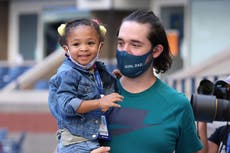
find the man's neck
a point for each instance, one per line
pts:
(138, 84)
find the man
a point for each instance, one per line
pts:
(153, 118)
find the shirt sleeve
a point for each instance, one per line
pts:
(188, 140)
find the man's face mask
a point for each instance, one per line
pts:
(132, 66)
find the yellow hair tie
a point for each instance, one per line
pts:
(61, 29)
(103, 30)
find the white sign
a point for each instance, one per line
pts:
(94, 4)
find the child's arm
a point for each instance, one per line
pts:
(103, 103)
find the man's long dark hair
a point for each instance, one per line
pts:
(156, 36)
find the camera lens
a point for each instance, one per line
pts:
(208, 108)
(223, 110)
(204, 107)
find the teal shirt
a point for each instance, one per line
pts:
(157, 120)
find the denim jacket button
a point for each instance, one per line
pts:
(94, 136)
(96, 121)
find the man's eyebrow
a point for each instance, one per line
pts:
(131, 41)
(135, 41)
(119, 39)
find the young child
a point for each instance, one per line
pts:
(82, 89)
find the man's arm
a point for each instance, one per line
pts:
(101, 150)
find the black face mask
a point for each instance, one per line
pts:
(132, 66)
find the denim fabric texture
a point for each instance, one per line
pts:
(68, 88)
(83, 147)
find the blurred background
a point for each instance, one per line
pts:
(198, 32)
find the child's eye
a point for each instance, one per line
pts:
(75, 44)
(91, 43)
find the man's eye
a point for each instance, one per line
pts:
(119, 44)
(136, 45)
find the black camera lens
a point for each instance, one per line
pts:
(208, 108)
(223, 110)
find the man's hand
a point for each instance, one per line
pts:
(101, 150)
(117, 73)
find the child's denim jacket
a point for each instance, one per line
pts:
(68, 88)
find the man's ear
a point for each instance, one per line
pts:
(157, 50)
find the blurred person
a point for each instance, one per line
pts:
(153, 117)
(217, 141)
(82, 89)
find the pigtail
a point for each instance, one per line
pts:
(102, 28)
(61, 30)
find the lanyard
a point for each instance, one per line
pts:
(103, 129)
(98, 80)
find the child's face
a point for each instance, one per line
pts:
(83, 44)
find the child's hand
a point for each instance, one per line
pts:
(110, 100)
